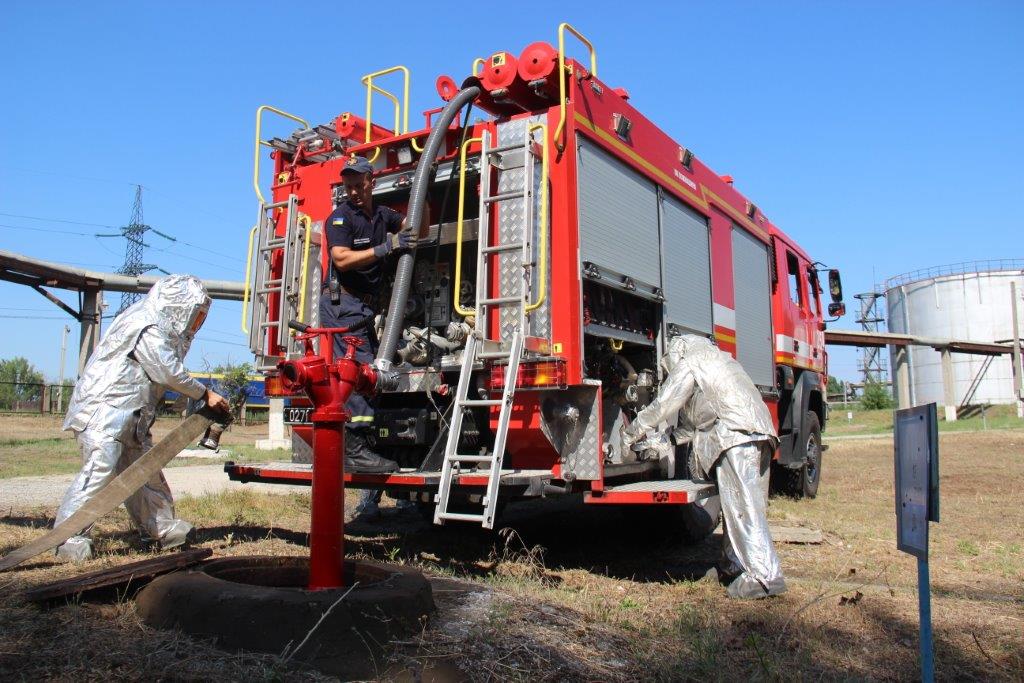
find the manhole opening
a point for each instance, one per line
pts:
(286, 572)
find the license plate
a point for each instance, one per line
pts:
(297, 416)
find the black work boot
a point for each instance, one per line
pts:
(361, 459)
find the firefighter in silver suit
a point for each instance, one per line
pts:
(115, 401)
(708, 400)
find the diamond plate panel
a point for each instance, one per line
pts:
(570, 419)
(512, 218)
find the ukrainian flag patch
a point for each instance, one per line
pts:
(338, 221)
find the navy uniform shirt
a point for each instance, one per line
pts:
(350, 226)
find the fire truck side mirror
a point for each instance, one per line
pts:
(835, 286)
(837, 309)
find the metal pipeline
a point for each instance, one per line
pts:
(417, 200)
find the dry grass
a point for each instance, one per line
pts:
(83, 641)
(604, 602)
(576, 593)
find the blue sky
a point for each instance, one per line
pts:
(883, 136)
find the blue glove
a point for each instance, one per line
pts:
(395, 241)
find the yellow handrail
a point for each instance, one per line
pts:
(375, 88)
(394, 100)
(561, 75)
(543, 216)
(248, 273)
(458, 228)
(401, 111)
(368, 82)
(305, 267)
(479, 61)
(260, 141)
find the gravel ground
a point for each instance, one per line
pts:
(26, 492)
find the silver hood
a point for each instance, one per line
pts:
(126, 374)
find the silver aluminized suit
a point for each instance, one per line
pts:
(114, 404)
(710, 401)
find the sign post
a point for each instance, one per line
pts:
(917, 503)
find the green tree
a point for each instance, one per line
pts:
(234, 384)
(20, 383)
(876, 396)
(835, 386)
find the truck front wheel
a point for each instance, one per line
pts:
(802, 482)
(810, 473)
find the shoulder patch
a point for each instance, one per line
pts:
(338, 221)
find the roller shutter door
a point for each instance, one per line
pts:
(687, 276)
(618, 214)
(752, 290)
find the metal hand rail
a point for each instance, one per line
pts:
(398, 107)
(260, 141)
(964, 268)
(303, 218)
(479, 61)
(458, 229)
(401, 111)
(248, 273)
(561, 75)
(543, 216)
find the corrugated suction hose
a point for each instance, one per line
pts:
(417, 198)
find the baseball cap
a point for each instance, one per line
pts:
(356, 165)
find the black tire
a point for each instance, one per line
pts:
(802, 482)
(690, 524)
(426, 511)
(699, 520)
(810, 473)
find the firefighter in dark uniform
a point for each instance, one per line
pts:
(361, 237)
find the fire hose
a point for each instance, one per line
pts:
(417, 201)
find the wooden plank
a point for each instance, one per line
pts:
(110, 580)
(118, 489)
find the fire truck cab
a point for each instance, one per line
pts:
(570, 238)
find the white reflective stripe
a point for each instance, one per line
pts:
(724, 316)
(361, 418)
(797, 347)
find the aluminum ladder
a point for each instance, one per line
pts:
(290, 288)
(478, 345)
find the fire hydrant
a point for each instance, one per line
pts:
(328, 384)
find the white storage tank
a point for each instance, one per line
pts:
(968, 301)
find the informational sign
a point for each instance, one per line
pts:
(917, 502)
(917, 477)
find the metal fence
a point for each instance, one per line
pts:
(965, 268)
(41, 399)
(30, 397)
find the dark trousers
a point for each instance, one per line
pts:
(349, 311)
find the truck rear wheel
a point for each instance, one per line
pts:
(802, 482)
(691, 523)
(699, 520)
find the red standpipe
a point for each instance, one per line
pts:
(328, 385)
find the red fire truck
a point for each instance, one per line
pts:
(570, 238)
